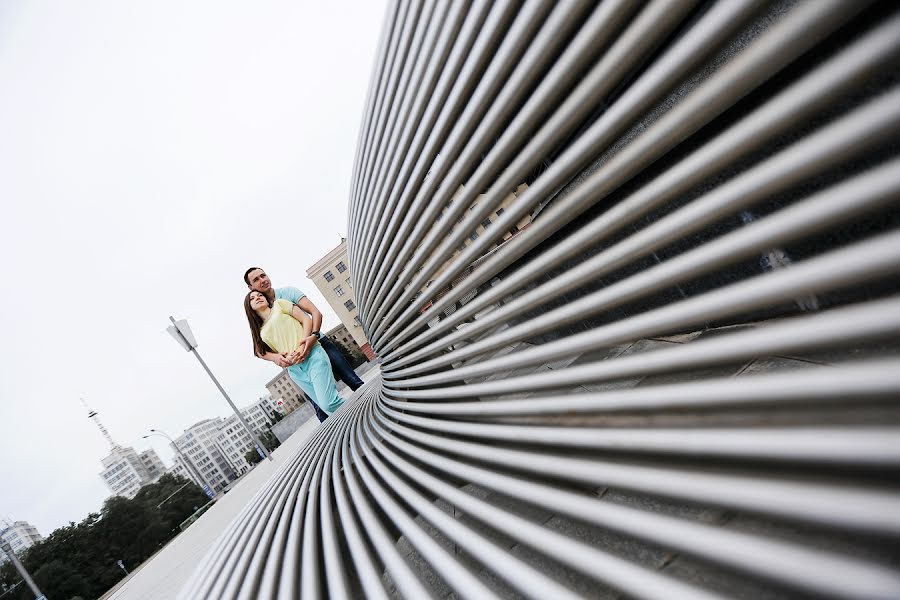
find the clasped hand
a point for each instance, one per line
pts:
(302, 351)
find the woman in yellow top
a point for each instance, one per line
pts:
(282, 327)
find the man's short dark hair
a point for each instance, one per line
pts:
(247, 274)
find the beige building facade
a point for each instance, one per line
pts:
(342, 337)
(331, 275)
(286, 396)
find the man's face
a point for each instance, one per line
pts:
(259, 281)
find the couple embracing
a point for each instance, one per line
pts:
(284, 325)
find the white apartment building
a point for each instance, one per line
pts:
(153, 463)
(285, 394)
(198, 444)
(125, 471)
(20, 535)
(180, 470)
(260, 413)
(233, 438)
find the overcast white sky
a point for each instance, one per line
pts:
(149, 153)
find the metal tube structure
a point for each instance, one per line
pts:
(632, 270)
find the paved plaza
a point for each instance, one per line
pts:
(163, 575)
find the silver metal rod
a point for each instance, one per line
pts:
(866, 261)
(464, 85)
(424, 79)
(871, 381)
(435, 122)
(767, 559)
(655, 21)
(789, 39)
(860, 508)
(629, 578)
(871, 191)
(839, 75)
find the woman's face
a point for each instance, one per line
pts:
(258, 302)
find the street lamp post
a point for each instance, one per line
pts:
(188, 464)
(7, 548)
(181, 331)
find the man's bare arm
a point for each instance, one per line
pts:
(306, 304)
(300, 354)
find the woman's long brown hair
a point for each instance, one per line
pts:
(260, 348)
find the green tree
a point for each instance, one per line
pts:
(10, 582)
(174, 497)
(80, 559)
(77, 547)
(60, 580)
(131, 530)
(270, 441)
(252, 456)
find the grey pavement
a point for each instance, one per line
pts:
(162, 575)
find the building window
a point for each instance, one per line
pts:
(486, 223)
(356, 318)
(329, 276)
(474, 236)
(349, 285)
(349, 304)
(341, 267)
(338, 290)
(499, 211)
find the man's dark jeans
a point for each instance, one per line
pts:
(321, 415)
(339, 365)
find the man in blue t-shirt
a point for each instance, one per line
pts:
(256, 279)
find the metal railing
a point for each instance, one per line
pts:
(632, 271)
